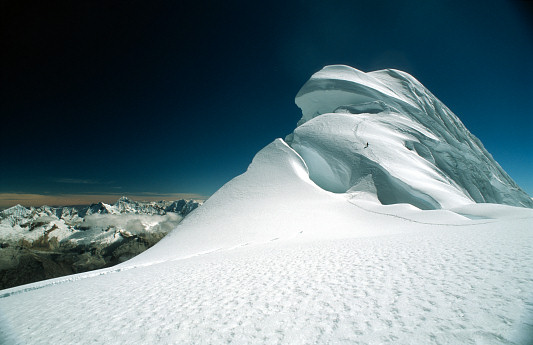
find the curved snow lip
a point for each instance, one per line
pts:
(334, 76)
(340, 85)
(333, 147)
(335, 176)
(373, 107)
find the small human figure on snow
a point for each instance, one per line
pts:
(366, 145)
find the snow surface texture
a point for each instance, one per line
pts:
(309, 246)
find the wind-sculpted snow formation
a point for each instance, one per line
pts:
(418, 151)
(323, 240)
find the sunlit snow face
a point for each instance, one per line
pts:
(363, 153)
(404, 140)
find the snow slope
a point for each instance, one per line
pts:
(320, 241)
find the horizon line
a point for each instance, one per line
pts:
(8, 200)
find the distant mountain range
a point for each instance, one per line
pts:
(45, 242)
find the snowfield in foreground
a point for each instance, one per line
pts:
(438, 284)
(324, 240)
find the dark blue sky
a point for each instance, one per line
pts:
(133, 97)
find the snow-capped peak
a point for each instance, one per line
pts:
(388, 126)
(322, 241)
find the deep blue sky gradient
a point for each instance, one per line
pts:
(166, 97)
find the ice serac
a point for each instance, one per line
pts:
(385, 129)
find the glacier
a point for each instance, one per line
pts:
(380, 219)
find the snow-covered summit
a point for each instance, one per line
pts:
(418, 151)
(419, 157)
(323, 240)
